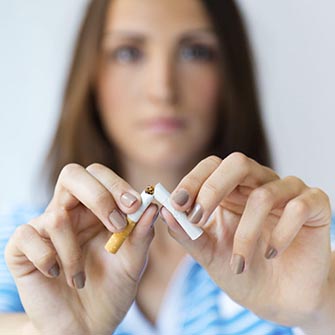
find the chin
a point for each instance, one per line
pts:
(169, 159)
(170, 153)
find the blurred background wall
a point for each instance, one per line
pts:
(294, 49)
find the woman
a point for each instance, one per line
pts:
(158, 89)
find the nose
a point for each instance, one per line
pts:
(161, 79)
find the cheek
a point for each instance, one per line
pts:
(202, 94)
(114, 90)
(202, 90)
(117, 95)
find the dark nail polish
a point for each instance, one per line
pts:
(155, 218)
(161, 216)
(237, 264)
(117, 219)
(196, 214)
(128, 199)
(181, 197)
(79, 280)
(271, 253)
(54, 271)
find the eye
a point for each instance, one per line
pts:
(198, 52)
(126, 54)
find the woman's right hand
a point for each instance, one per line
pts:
(67, 282)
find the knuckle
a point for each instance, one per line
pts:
(57, 219)
(318, 193)
(273, 174)
(213, 160)
(241, 161)
(35, 221)
(18, 235)
(45, 259)
(106, 176)
(262, 195)
(238, 157)
(292, 179)
(299, 207)
(69, 170)
(295, 181)
(22, 232)
(94, 167)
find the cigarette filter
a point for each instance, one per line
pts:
(116, 240)
(163, 196)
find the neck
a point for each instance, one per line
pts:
(139, 175)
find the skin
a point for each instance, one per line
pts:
(158, 82)
(254, 208)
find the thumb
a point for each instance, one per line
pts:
(143, 233)
(193, 247)
(135, 248)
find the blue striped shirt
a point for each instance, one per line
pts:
(193, 304)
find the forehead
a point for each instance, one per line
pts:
(160, 15)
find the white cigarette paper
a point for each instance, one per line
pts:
(116, 240)
(146, 201)
(163, 196)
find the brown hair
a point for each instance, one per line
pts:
(80, 138)
(240, 127)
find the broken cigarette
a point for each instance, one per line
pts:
(116, 240)
(163, 196)
(159, 193)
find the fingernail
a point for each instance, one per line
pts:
(271, 253)
(128, 199)
(117, 220)
(237, 264)
(161, 216)
(79, 280)
(196, 214)
(155, 218)
(181, 197)
(54, 271)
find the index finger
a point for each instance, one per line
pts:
(214, 184)
(77, 185)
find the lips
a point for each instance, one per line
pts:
(163, 125)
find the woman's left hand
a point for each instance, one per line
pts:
(266, 239)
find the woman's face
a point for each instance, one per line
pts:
(158, 79)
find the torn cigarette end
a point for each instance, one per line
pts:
(150, 189)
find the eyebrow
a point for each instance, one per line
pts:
(140, 37)
(208, 32)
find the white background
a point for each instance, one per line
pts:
(295, 54)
